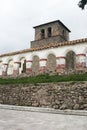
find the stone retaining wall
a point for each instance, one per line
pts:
(69, 95)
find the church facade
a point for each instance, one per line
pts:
(51, 52)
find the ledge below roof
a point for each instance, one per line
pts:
(52, 45)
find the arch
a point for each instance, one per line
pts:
(49, 32)
(85, 53)
(10, 67)
(51, 63)
(42, 33)
(84, 50)
(49, 52)
(68, 50)
(70, 61)
(35, 65)
(1, 67)
(22, 67)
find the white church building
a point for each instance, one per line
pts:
(51, 52)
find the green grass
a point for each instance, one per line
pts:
(44, 79)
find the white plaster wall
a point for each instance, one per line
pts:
(16, 66)
(60, 61)
(10, 67)
(81, 59)
(43, 63)
(58, 52)
(1, 68)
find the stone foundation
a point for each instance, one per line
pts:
(71, 95)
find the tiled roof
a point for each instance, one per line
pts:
(52, 45)
(53, 22)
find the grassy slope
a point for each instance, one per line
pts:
(45, 79)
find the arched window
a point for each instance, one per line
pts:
(49, 32)
(42, 34)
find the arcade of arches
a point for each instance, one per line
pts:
(51, 65)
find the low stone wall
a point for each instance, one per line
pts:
(67, 95)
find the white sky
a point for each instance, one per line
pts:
(17, 18)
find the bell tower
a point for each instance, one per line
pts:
(52, 32)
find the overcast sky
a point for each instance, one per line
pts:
(17, 18)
